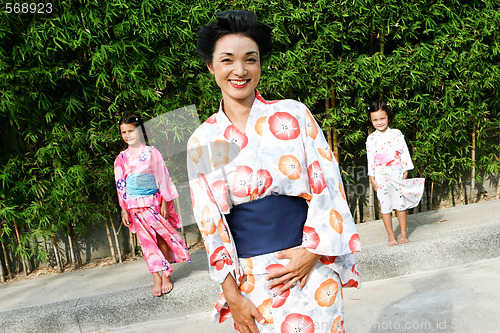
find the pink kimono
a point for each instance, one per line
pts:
(149, 184)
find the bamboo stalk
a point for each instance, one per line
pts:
(329, 137)
(177, 206)
(7, 261)
(329, 130)
(462, 186)
(57, 253)
(431, 204)
(371, 200)
(2, 272)
(23, 260)
(357, 210)
(423, 202)
(335, 137)
(71, 248)
(118, 248)
(498, 187)
(110, 241)
(131, 242)
(473, 157)
(451, 196)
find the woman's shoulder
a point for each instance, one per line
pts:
(291, 103)
(290, 106)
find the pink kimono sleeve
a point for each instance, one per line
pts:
(120, 183)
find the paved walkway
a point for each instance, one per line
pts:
(460, 299)
(447, 277)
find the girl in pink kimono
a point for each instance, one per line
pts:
(388, 164)
(145, 195)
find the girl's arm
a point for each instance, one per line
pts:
(164, 210)
(374, 182)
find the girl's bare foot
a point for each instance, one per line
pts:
(392, 242)
(157, 285)
(166, 284)
(404, 239)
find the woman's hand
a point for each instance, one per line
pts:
(243, 311)
(164, 210)
(405, 175)
(125, 219)
(296, 271)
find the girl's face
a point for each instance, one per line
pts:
(380, 120)
(236, 67)
(130, 135)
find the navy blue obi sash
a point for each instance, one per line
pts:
(267, 225)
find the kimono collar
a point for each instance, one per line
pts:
(141, 148)
(224, 121)
(387, 131)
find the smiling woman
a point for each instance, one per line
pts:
(236, 68)
(266, 214)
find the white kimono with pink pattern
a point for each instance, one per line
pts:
(282, 151)
(388, 159)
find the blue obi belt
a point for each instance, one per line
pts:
(267, 225)
(140, 185)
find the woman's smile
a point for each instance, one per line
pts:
(236, 67)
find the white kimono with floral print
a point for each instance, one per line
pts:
(388, 159)
(282, 151)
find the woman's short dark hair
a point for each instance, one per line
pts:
(131, 118)
(234, 22)
(380, 105)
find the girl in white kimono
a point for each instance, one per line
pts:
(267, 195)
(388, 164)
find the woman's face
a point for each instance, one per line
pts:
(236, 67)
(380, 120)
(130, 135)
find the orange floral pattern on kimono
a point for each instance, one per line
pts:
(282, 151)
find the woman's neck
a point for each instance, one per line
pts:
(238, 111)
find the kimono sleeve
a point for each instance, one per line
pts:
(406, 161)
(222, 258)
(165, 185)
(370, 155)
(120, 183)
(329, 229)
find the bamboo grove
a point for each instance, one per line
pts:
(67, 76)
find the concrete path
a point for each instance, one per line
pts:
(460, 299)
(447, 277)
